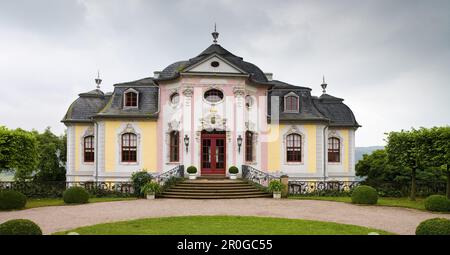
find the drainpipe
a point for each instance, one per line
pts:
(96, 151)
(325, 153)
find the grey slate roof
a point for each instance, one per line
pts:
(340, 115)
(86, 106)
(172, 71)
(147, 101)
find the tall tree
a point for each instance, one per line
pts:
(18, 152)
(438, 141)
(405, 149)
(52, 155)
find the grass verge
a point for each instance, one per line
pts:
(33, 203)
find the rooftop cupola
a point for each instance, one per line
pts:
(324, 85)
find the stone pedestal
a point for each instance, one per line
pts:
(284, 180)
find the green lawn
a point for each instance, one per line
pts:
(33, 203)
(222, 225)
(383, 201)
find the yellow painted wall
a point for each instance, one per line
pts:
(274, 148)
(311, 147)
(111, 142)
(148, 144)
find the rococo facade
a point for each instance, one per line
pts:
(212, 111)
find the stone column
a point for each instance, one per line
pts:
(284, 180)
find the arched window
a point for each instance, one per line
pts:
(174, 146)
(129, 147)
(248, 146)
(294, 148)
(89, 149)
(334, 149)
(291, 103)
(131, 99)
(213, 95)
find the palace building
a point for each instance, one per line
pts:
(212, 111)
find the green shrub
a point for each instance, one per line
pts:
(151, 188)
(364, 195)
(435, 226)
(233, 170)
(139, 179)
(20, 227)
(437, 203)
(75, 195)
(276, 186)
(191, 170)
(10, 199)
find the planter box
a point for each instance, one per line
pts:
(192, 176)
(277, 195)
(150, 196)
(233, 176)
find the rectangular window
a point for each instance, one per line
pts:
(174, 146)
(129, 147)
(89, 149)
(248, 146)
(334, 148)
(294, 148)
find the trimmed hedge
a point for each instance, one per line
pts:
(11, 199)
(75, 195)
(20, 227)
(139, 179)
(437, 203)
(435, 226)
(364, 195)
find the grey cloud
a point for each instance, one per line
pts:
(388, 59)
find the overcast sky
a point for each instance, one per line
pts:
(389, 60)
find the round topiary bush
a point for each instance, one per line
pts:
(191, 170)
(20, 227)
(10, 199)
(233, 170)
(75, 195)
(435, 226)
(437, 203)
(364, 195)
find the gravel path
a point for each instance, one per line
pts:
(59, 218)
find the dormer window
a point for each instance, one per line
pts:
(130, 98)
(291, 102)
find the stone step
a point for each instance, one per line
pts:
(206, 189)
(214, 193)
(216, 197)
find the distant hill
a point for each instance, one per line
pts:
(360, 151)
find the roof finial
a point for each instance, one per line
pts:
(215, 34)
(324, 85)
(98, 81)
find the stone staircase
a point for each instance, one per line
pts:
(213, 188)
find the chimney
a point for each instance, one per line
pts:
(156, 74)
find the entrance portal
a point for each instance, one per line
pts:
(213, 153)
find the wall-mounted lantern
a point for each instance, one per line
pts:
(186, 142)
(239, 143)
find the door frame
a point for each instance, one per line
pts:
(214, 135)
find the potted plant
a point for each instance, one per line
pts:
(233, 172)
(275, 186)
(150, 189)
(192, 171)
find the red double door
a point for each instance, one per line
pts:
(213, 153)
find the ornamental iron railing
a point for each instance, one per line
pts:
(320, 187)
(176, 172)
(35, 189)
(257, 176)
